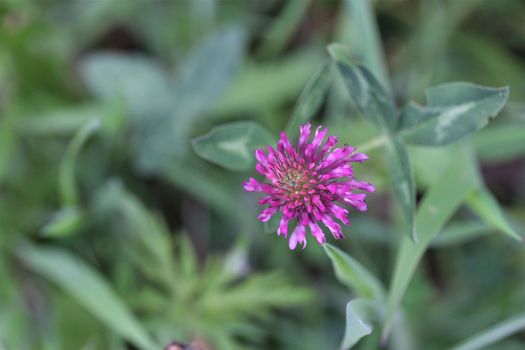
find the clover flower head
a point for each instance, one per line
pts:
(309, 183)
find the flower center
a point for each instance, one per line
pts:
(296, 181)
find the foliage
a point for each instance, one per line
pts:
(127, 127)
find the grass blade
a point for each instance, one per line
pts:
(88, 288)
(493, 334)
(310, 100)
(67, 184)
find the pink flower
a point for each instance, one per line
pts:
(309, 183)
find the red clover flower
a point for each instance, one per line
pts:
(309, 183)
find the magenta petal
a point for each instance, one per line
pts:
(304, 135)
(334, 227)
(261, 156)
(252, 185)
(317, 232)
(298, 236)
(267, 214)
(309, 183)
(319, 136)
(283, 227)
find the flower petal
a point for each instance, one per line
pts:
(252, 185)
(334, 227)
(283, 227)
(317, 232)
(298, 236)
(267, 214)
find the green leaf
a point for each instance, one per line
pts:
(65, 222)
(66, 178)
(232, 145)
(365, 40)
(403, 182)
(360, 314)
(203, 78)
(254, 89)
(88, 288)
(493, 334)
(310, 100)
(483, 203)
(353, 275)
(137, 79)
(370, 98)
(375, 104)
(453, 111)
(438, 205)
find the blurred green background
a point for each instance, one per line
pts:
(114, 234)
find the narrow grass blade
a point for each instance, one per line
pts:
(493, 334)
(310, 100)
(88, 288)
(67, 184)
(279, 34)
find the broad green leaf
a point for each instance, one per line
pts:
(255, 89)
(360, 314)
(500, 143)
(403, 182)
(88, 288)
(453, 111)
(137, 79)
(67, 184)
(437, 206)
(483, 203)
(232, 145)
(494, 334)
(365, 40)
(369, 97)
(64, 222)
(203, 78)
(310, 100)
(353, 275)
